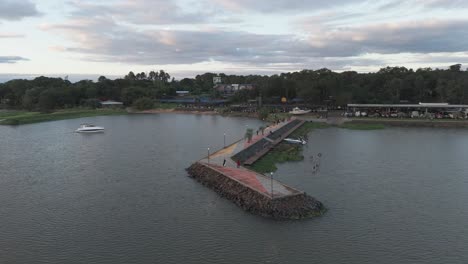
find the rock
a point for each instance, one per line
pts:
(290, 207)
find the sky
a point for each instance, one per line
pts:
(86, 39)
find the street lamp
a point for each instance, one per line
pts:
(208, 155)
(271, 178)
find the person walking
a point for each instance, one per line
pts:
(224, 162)
(238, 163)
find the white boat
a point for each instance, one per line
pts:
(88, 128)
(295, 141)
(298, 111)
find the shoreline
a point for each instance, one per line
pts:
(175, 111)
(412, 123)
(24, 117)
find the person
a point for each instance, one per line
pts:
(224, 162)
(238, 163)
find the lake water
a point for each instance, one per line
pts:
(397, 195)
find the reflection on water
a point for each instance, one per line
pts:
(394, 196)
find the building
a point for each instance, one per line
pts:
(428, 110)
(111, 104)
(182, 93)
(230, 89)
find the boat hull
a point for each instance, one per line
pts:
(300, 112)
(295, 141)
(96, 130)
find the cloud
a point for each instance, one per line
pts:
(11, 59)
(423, 4)
(153, 12)
(266, 6)
(444, 3)
(120, 43)
(10, 35)
(105, 40)
(387, 38)
(17, 9)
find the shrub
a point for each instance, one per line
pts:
(143, 103)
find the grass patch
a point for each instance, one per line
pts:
(285, 152)
(358, 126)
(307, 127)
(280, 154)
(21, 118)
(9, 113)
(165, 106)
(274, 116)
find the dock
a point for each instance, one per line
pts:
(250, 190)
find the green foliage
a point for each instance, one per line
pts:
(285, 152)
(282, 153)
(20, 118)
(92, 103)
(263, 113)
(143, 103)
(324, 87)
(165, 106)
(358, 126)
(249, 134)
(307, 127)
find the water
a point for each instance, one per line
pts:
(394, 196)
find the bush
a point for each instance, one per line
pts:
(143, 103)
(263, 113)
(92, 103)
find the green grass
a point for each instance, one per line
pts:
(271, 117)
(165, 106)
(358, 126)
(8, 113)
(285, 152)
(21, 117)
(280, 154)
(307, 127)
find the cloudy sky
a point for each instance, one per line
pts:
(185, 37)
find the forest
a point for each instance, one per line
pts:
(318, 87)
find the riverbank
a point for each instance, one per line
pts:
(177, 111)
(23, 117)
(443, 123)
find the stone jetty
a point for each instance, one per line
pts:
(252, 191)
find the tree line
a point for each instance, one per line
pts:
(323, 86)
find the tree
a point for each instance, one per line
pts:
(143, 103)
(130, 76)
(132, 93)
(263, 113)
(47, 101)
(455, 67)
(249, 134)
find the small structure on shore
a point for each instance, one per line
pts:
(111, 104)
(252, 191)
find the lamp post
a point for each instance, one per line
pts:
(271, 180)
(208, 155)
(224, 140)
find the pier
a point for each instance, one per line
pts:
(252, 191)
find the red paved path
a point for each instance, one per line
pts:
(249, 178)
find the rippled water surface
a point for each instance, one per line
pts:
(397, 195)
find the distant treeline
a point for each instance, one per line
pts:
(388, 85)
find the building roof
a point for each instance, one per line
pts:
(111, 103)
(420, 105)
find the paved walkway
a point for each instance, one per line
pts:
(256, 181)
